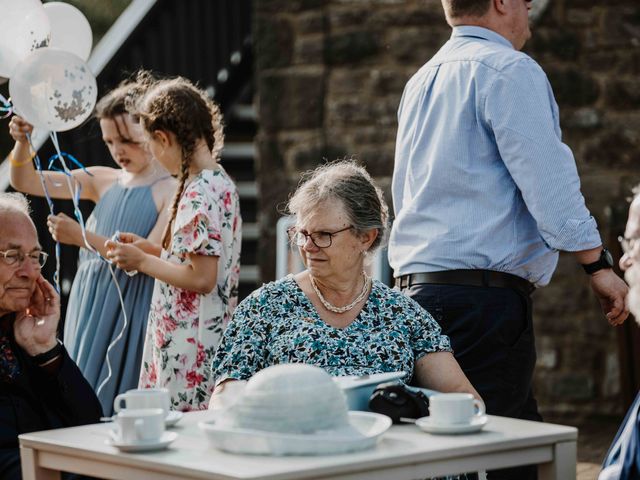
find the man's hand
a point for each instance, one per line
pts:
(611, 292)
(35, 329)
(65, 230)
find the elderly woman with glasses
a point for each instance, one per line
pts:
(333, 315)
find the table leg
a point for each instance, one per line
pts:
(563, 465)
(30, 468)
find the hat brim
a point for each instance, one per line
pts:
(361, 433)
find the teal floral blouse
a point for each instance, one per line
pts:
(278, 324)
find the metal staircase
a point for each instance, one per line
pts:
(238, 158)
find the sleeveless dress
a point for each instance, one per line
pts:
(94, 314)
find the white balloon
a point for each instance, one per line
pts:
(24, 27)
(53, 89)
(70, 29)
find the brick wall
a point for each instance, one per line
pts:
(329, 75)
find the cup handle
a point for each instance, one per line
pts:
(117, 403)
(480, 408)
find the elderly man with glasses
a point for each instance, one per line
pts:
(40, 386)
(623, 458)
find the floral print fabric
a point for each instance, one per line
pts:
(185, 327)
(278, 324)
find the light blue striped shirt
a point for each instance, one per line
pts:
(482, 179)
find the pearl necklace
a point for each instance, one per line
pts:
(346, 308)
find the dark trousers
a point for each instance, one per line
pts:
(491, 333)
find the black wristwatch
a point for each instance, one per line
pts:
(605, 261)
(46, 357)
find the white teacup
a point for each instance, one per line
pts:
(143, 425)
(454, 408)
(143, 398)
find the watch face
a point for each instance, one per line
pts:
(607, 257)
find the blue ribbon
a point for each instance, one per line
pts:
(6, 107)
(73, 159)
(38, 164)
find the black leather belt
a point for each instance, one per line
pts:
(473, 278)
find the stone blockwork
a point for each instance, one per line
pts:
(329, 77)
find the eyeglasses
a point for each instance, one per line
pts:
(319, 239)
(16, 257)
(628, 244)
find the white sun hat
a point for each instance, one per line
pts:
(293, 409)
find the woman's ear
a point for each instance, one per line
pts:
(368, 237)
(164, 138)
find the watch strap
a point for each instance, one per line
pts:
(44, 358)
(605, 261)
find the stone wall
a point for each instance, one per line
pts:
(329, 76)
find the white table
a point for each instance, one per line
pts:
(404, 452)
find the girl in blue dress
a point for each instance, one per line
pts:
(131, 198)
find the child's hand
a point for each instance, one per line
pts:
(19, 128)
(126, 256)
(137, 241)
(127, 237)
(65, 230)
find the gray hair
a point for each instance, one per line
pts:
(14, 202)
(465, 8)
(351, 184)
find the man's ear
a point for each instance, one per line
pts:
(501, 6)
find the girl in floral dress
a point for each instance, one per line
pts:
(197, 269)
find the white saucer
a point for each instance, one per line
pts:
(476, 424)
(160, 444)
(362, 432)
(172, 418)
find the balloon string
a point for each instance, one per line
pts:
(6, 107)
(125, 322)
(75, 191)
(73, 159)
(38, 164)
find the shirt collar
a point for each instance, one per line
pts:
(479, 32)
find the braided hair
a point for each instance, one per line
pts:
(177, 106)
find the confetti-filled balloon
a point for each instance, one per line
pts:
(53, 89)
(70, 29)
(24, 27)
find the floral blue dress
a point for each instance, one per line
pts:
(278, 324)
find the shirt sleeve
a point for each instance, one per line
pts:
(242, 351)
(426, 334)
(522, 113)
(197, 226)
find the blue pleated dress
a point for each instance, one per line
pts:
(94, 315)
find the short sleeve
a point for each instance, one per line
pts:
(426, 334)
(197, 226)
(242, 352)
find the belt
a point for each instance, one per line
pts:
(472, 278)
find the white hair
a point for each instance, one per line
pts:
(14, 202)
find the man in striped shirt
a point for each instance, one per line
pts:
(486, 195)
